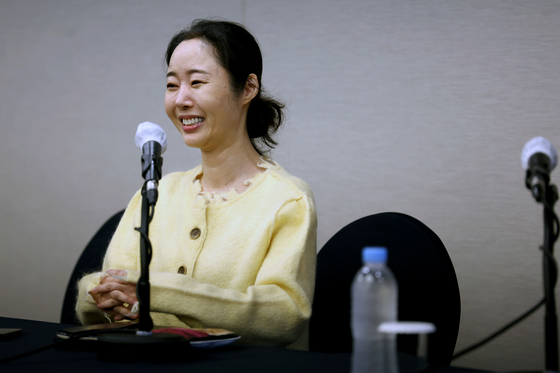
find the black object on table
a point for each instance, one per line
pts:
(236, 357)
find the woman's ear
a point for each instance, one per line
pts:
(251, 88)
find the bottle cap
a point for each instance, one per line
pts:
(373, 254)
(406, 327)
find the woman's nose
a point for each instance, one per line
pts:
(184, 98)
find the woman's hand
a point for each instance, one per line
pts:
(115, 296)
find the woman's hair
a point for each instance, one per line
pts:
(237, 51)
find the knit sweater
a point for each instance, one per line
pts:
(244, 262)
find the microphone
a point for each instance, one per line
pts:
(538, 158)
(152, 141)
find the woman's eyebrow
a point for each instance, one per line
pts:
(189, 72)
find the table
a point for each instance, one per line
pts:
(233, 358)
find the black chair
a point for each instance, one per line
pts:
(91, 260)
(428, 288)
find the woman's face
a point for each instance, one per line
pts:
(199, 99)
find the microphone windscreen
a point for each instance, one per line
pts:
(538, 145)
(149, 131)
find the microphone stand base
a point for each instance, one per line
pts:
(129, 347)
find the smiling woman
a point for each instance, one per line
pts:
(197, 88)
(234, 240)
(242, 61)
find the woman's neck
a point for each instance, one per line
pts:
(229, 168)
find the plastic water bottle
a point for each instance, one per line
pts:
(374, 301)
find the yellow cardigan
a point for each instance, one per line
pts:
(244, 262)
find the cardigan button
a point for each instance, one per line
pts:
(195, 233)
(181, 270)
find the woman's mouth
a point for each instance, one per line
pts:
(191, 124)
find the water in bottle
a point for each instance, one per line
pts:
(374, 301)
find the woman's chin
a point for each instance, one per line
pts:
(192, 141)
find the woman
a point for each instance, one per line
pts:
(234, 240)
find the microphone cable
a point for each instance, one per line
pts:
(554, 277)
(498, 332)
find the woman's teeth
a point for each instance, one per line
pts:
(189, 122)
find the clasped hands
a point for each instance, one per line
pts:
(115, 296)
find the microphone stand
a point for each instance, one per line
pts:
(152, 163)
(142, 344)
(538, 181)
(550, 276)
(145, 323)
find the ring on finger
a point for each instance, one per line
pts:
(126, 305)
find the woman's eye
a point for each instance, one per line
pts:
(196, 82)
(171, 85)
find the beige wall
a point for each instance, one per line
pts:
(421, 107)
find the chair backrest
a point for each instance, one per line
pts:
(91, 260)
(428, 288)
